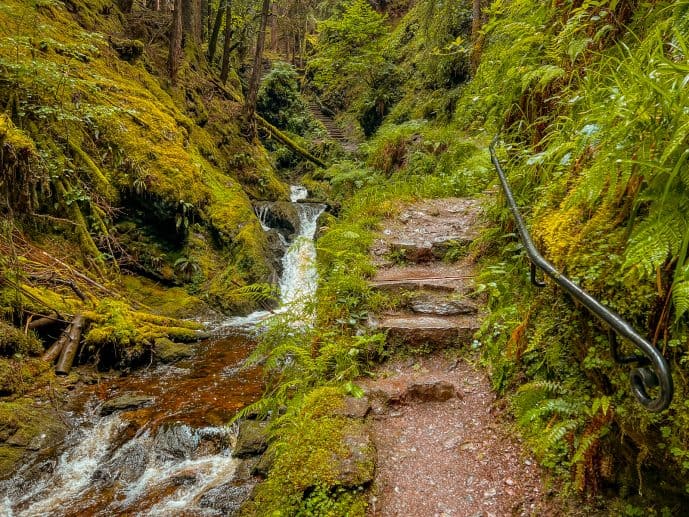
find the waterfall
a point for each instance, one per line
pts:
(299, 277)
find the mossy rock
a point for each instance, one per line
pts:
(280, 215)
(14, 341)
(17, 375)
(26, 427)
(252, 439)
(316, 448)
(168, 352)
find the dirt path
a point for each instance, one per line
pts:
(444, 448)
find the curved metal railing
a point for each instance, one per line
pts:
(651, 372)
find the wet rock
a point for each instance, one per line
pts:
(280, 215)
(211, 441)
(226, 498)
(357, 466)
(124, 402)
(127, 465)
(264, 464)
(175, 440)
(252, 439)
(168, 352)
(431, 391)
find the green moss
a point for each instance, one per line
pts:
(14, 341)
(307, 456)
(132, 334)
(25, 425)
(171, 301)
(19, 375)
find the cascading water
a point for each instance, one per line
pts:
(299, 277)
(172, 456)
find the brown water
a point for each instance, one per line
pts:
(172, 457)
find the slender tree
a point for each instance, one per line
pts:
(213, 41)
(227, 48)
(175, 42)
(252, 94)
(476, 36)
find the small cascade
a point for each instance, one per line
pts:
(262, 214)
(299, 276)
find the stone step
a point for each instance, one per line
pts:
(426, 333)
(429, 250)
(447, 278)
(436, 304)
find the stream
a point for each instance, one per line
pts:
(173, 456)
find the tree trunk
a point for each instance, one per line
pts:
(225, 68)
(204, 17)
(476, 36)
(71, 346)
(191, 14)
(175, 42)
(252, 94)
(213, 42)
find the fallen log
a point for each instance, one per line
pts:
(51, 354)
(43, 321)
(71, 346)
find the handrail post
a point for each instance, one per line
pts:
(652, 370)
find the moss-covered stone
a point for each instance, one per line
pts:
(26, 426)
(168, 352)
(315, 449)
(14, 341)
(132, 334)
(252, 439)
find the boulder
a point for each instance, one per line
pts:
(252, 439)
(168, 352)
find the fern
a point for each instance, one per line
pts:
(659, 237)
(558, 432)
(680, 293)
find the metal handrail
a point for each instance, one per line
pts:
(651, 370)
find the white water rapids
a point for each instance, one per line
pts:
(114, 465)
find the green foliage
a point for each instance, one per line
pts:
(279, 100)
(14, 342)
(348, 60)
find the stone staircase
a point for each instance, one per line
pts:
(435, 307)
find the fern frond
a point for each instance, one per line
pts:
(550, 387)
(586, 442)
(558, 432)
(680, 294)
(658, 237)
